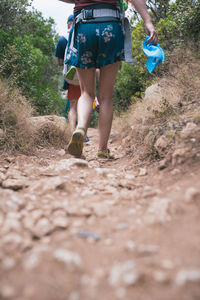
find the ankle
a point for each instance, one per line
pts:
(103, 149)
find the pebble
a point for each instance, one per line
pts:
(124, 273)
(11, 224)
(120, 293)
(74, 296)
(61, 152)
(71, 162)
(12, 241)
(175, 172)
(129, 177)
(130, 246)
(108, 242)
(88, 234)
(31, 262)
(159, 210)
(161, 277)
(191, 194)
(7, 292)
(42, 227)
(71, 259)
(147, 249)
(8, 263)
(142, 172)
(184, 276)
(167, 264)
(121, 226)
(14, 184)
(100, 209)
(60, 222)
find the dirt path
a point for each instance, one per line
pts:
(86, 229)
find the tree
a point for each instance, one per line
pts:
(27, 46)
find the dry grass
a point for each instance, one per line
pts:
(14, 112)
(17, 132)
(165, 109)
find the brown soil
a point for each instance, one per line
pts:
(96, 229)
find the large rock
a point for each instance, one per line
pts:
(48, 129)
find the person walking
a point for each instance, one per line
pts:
(74, 91)
(97, 41)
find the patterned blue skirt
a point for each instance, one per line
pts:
(97, 44)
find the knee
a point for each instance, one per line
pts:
(88, 94)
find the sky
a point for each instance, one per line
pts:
(56, 9)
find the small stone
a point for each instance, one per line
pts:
(158, 211)
(120, 293)
(100, 209)
(36, 214)
(184, 276)
(71, 259)
(121, 226)
(8, 263)
(42, 227)
(179, 155)
(12, 241)
(129, 176)
(31, 262)
(142, 172)
(150, 192)
(132, 211)
(11, 224)
(161, 277)
(130, 246)
(163, 164)
(147, 249)
(60, 222)
(61, 152)
(124, 273)
(7, 292)
(175, 172)
(88, 234)
(191, 194)
(101, 171)
(14, 184)
(78, 223)
(189, 130)
(74, 296)
(161, 143)
(108, 242)
(167, 264)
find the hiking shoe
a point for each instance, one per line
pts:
(86, 139)
(75, 146)
(105, 154)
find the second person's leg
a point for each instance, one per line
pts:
(72, 115)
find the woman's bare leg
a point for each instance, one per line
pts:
(105, 93)
(87, 81)
(72, 115)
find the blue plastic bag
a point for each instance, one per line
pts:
(155, 54)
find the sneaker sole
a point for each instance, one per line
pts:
(75, 146)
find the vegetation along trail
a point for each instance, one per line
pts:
(93, 229)
(90, 229)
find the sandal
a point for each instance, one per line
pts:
(75, 146)
(105, 154)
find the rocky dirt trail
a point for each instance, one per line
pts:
(76, 229)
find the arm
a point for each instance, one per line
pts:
(140, 6)
(60, 62)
